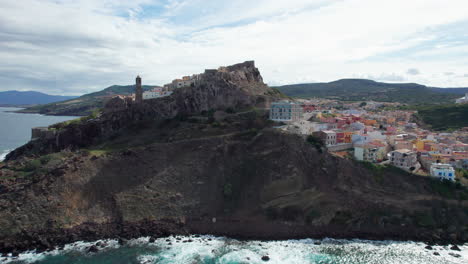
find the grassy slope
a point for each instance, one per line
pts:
(85, 104)
(444, 117)
(360, 89)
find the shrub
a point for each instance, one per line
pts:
(32, 165)
(316, 142)
(227, 190)
(230, 110)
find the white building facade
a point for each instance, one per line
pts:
(286, 111)
(443, 171)
(462, 100)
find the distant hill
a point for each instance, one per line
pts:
(363, 90)
(444, 117)
(18, 98)
(460, 91)
(85, 104)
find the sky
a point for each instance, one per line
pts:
(72, 47)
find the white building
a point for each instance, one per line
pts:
(327, 136)
(286, 111)
(156, 93)
(404, 159)
(443, 171)
(462, 100)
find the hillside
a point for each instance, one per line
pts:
(206, 160)
(364, 90)
(19, 98)
(444, 117)
(176, 176)
(85, 104)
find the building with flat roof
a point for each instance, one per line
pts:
(286, 111)
(443, 171)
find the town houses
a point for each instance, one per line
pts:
(373, 133)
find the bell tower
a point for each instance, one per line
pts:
(138, 91)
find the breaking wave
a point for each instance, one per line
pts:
(3, 154)
(209, 249)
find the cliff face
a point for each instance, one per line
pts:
(255, 183)
(238, 86)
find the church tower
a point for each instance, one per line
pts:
(138, 91)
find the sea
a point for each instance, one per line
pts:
(15, 129)
(211, 250)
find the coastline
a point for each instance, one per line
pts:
(50, 239)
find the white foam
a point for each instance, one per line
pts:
(224, 250)
(4, 154)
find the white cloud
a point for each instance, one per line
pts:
(413, 71)
(75, 46)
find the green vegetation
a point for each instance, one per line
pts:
(94, 114)
(316, 142)
(83, 105)
(450, 190)
(461, 173)
(444, 117)
(364, 90)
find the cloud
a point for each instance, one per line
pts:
(465, 75)
(413, 71)
(449, 73)
(71, 47)
(392, 77)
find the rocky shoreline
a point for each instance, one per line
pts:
(48, 240)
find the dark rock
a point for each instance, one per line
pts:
(455, 247)
(317, 243)
(121, 241)
(265, 258)
(455, 255)
(436, 254)
(151, 240)
(93, 249)
(428, 247)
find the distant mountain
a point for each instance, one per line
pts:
(18, 98)
(85, 104)
(363, 90)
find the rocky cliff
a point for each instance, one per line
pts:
(175, 165)
(238, 86)
(227, 180)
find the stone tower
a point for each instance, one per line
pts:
(138, 91)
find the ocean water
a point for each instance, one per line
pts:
(210, 250)
(15, 129)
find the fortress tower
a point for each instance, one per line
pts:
(138, 91)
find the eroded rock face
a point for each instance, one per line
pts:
(237, 86)
(258, 185)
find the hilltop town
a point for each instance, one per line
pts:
(367, 131)
(222, 153)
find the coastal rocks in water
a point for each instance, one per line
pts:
(455, 247)
(152, 239)
(428, 247)
(93, 249)
(455, 255)
(436, 254)
(265, 258)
